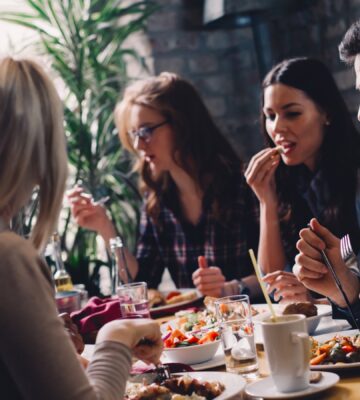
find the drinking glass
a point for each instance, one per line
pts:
(237, 335)
(133, 300)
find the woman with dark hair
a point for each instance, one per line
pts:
(196, 201)
(311, 168)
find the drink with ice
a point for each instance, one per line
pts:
(138, 309)
(239, 347)
(237, 335)
(133, 300)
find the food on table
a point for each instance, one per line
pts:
(339, 349)
(187, 296)
(315, 376)
(306, 308)
(179, 388)
(157, 299)
(177, 338)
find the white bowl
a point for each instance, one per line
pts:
(312, 322)
(195, 354)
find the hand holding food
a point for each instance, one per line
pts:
(286, 287)
(208, 280)
(260, 174)
(73, 332)
(142, 336)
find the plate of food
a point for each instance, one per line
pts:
(334, 351)
(313, 312)
(198, 385)
(171, 301)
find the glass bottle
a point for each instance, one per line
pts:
(61, 277)
(119, 269)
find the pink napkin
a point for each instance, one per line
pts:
(94, 315)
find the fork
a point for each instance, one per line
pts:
(338, 284)
(347, 253)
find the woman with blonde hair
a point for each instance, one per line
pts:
(196, 202)
(37, 358)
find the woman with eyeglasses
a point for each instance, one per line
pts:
(196, 202)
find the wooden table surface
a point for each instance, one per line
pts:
(348, 388)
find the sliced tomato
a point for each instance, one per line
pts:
(172, 294)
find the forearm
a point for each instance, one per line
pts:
(271, 255)
(351, 286)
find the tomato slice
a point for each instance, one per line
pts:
(172, 294)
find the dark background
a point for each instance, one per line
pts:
(227, 58)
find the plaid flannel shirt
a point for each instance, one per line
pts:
(176, 244)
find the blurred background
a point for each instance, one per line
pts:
(224, 47)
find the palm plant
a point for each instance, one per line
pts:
(84, 41)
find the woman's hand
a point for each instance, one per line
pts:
(87, 213)
(142, 336)
(286, 287)
(208, 280)
(260, 174)
(313, 273)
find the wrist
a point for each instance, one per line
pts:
(243, 287)
(351, 286)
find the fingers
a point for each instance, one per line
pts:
(285, 286)
(202, 262)
(270, 277)
(209, 281)
(311, 271)
(329, 239)
(262, 165)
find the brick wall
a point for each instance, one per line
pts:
(223, 64)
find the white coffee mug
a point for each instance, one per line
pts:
(287, 348)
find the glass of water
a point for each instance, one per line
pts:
(237, 335)
(133, 300)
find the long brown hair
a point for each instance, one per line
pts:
(32, 144)
(201, 149)
(340, 151)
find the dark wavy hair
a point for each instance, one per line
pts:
(349, 47)
(340, 151)
(201, 150)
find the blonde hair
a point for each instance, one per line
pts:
(32, 144)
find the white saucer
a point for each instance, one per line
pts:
(266, 388)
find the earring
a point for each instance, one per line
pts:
(327, 122)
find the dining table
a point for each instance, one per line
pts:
(348, 387)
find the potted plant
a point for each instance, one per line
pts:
(84, 41)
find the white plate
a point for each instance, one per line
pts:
(179, 305)
(313, 322)
(234, 384)
(335, 367)
(265, 388)
(216, 361)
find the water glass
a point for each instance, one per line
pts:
(133, 300)
(237, 335)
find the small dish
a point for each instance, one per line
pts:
(265, 388)
(195, 354)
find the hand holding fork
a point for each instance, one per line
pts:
(317, 247)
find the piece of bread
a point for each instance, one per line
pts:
(306, 308)
(155, 298)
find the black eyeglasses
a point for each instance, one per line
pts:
(145, 132)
